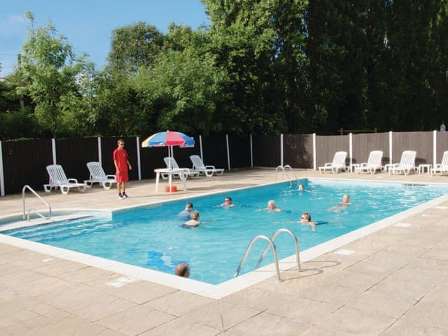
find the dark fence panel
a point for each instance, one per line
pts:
(108, 145)
(24, 162)
(327, 145)
(239, 151)
(266, 150)
(74, 153)
(182, 155)
(442, 144)
(150, 159)
(215, 150)
(422, 142)
(363, 144)
(298, 150)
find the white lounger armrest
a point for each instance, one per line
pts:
(73, 180)
(111, 177)
(210, 167)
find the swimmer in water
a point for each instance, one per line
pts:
(301, 187)
(186, 213)
(345, 202)
(183, 270)
(194, 221)
(228, 202)
(272, 206)
(306, 219)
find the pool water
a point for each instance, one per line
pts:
(152, 236)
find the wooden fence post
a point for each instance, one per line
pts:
(53, 150)
(200, 147)
(228, 151)
(281, 150)
(100, 154)
(251, 151)
(434, 148)
(314, 152)
(139, 167)
(2, 176)
(390, 148)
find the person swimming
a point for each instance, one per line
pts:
(301, 187)
(345, 202)
(194, 220)
(228, 202)
(183, 270)
(186, 213)
(306, 219)
(272, 206)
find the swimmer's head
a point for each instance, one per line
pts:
(346, 199)
(306, 217)
(189, 206)
(194, 215)
(183, 270)
(301, 187)
(271, 205)
(228, 201)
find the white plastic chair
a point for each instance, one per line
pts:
(201, 168)
(337, 164)
(58, 179)
(97, 175)
(374, 163)
(441, 168)
(406, 165)
(171, 164)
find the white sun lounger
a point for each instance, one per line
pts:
(441, 168)
(337, 164)
(171, 164)
(201, 168)
(406, 165)
(57, 179)
(97, 175)
(374, 163)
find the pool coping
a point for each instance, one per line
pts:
(233, 285)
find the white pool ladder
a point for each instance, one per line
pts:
(27, 212)
(285, 172)
(271, 245)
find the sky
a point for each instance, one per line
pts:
(88, 24)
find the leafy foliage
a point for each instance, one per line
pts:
(263, 66)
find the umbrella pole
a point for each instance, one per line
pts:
(172, 157)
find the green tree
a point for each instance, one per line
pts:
(181, 90)
(261, 44)
(50, 73)
(134, 46)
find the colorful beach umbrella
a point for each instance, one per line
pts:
(168, 139)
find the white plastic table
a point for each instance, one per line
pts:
(424, 168)
(170, 173)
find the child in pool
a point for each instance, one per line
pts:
(186, 213)
(194, 221)
(306, 219)
(228, 202)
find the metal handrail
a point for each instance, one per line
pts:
(274, 237)
(24, 189)
(249, 247)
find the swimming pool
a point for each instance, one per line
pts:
(151, 236)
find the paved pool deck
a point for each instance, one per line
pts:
(392, 282)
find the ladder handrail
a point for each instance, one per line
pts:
(249, 247)
(24, 189)
(274, 237)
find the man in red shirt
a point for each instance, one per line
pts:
(122, 165)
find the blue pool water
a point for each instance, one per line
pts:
(151, 236)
